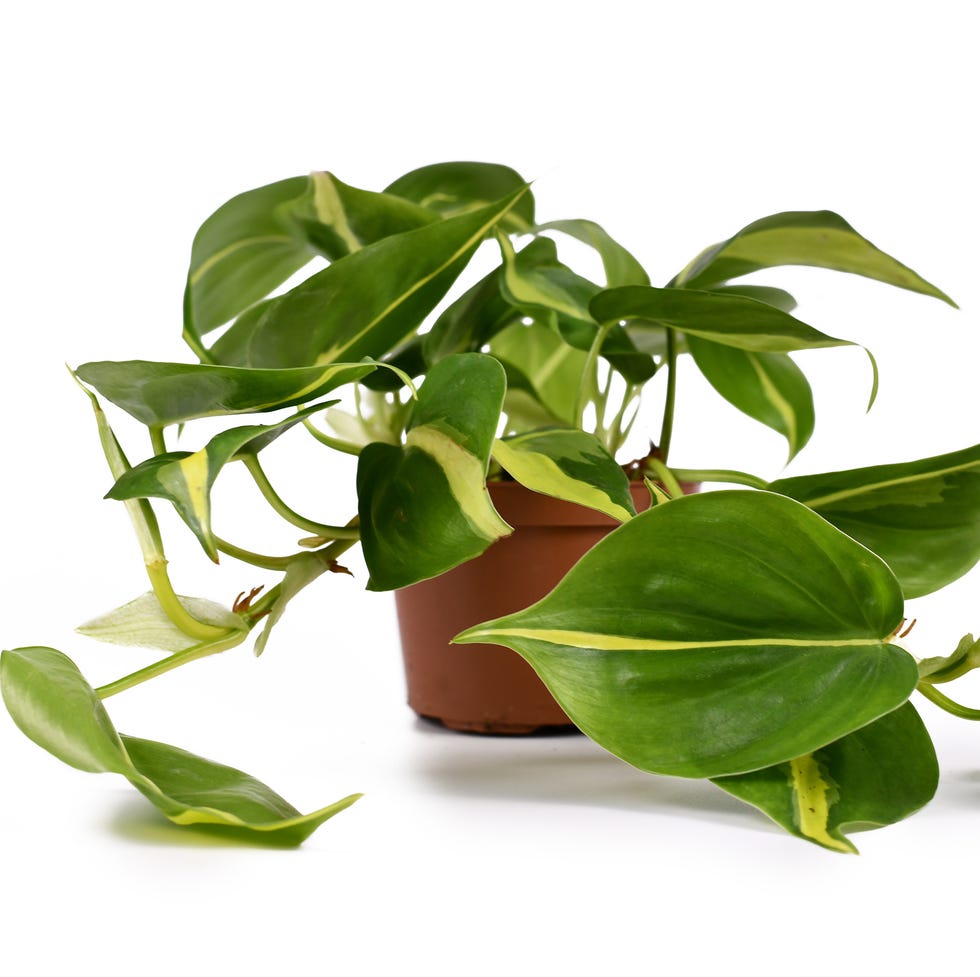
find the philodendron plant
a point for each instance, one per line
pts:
(750, 635)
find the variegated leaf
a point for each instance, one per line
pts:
(368, 302)
(748, 631)
(769, 387)
(872, 777)
(160, 394)
(424, 506)
(185, 478)
(568, 464)
(817, 238)
(53, 705)
(921, 517)
(620, 267)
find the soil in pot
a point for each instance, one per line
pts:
(488, 688)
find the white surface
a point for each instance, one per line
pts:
(673, 125)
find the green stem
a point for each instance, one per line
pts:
(667, 478)
(347, 447)
(720, 475)
(667, 427)
(248, 556)
(195, 652)
(272, 497)
(588, 383)
(197, 346)
(157, 439)
(175, 610)
(945, 702)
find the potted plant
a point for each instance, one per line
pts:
(749, 635)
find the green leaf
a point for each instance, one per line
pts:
(185, 478)
(568, 464)
(747, 632)
(721, 317)
(620, 267)
(339, 219)
(367, 303)
(874, 776)
(818, 238)
(921, 517)
(456, 188)
(769, 387)
(143, 623)
(964, 659)
(301, 572)
(54, 706)
(244, 250)
(423, 506)
(776, 297)
(170, 393)
(552, 367)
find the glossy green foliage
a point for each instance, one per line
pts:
(159, 394)
(366, 303)
(921, 517)
(185, 478)
(424, 506)
(872, 777)
(455, 188)
(53, 705)
(620, 267)
(769, 387)
(818, 238)
(746, 632)
(244, 250)
(567, 464)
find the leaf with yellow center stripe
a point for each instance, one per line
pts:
(49, 699)
(718, 634)
(424, 506)
(185, 478)
(568, 464)
(874, 776)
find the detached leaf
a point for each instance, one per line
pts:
(450, 189)
(185, 478)
(921, 517)
(424, 506)
(769, 387)
(818, 238)
(747, 632)
(54, 706)
(368, 302)
(171, 393)
(568, 464)
(143, 623)
(874, 776)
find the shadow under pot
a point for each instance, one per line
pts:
(482, 688)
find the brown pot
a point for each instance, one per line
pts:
(488, 688)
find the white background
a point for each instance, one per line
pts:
(123, 126)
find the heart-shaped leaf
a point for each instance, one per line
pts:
(424, 505)
(748, 631)
(567, 464)
(818, 238)
(53, 705)
(874, 776)
(921, 517)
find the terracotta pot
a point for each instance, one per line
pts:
(488, 688)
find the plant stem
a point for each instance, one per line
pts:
(588, 384)
(272, 497)
(157, 439)
(667, 427)
(945, 702)
(174, 609)
(347, 447)
(667, 478)
(195, 652)
(248, 556)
